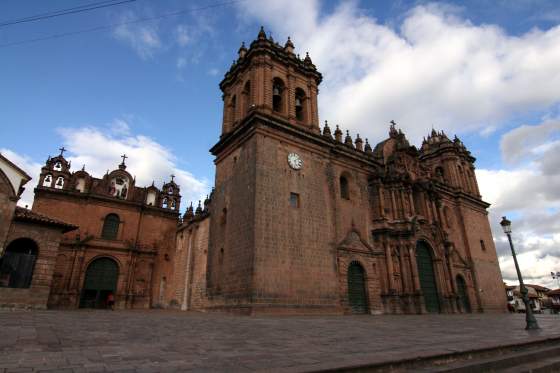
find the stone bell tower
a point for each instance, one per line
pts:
(265, 249)
(273, 80)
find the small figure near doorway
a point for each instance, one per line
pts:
(111, 301)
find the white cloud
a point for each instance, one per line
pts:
(183, 35)
(142, 37)
(148, 161)
(530, 196)
(100, 148)
(525, 140)
(435, 68)
(32, 168)
(181, 62)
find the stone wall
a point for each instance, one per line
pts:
(47, 240)
(190, 265)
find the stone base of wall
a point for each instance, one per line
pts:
(277, 309)
(30, 298)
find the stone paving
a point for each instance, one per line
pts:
(166, 341)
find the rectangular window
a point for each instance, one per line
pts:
(294, 200)
(482, 245)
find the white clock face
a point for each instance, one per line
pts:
(295, 161)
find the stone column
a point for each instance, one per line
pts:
(411, 202)
(414, 269)
(394, 204)
(402, 270)
(381, 201)
(186, 293)
(390, 270)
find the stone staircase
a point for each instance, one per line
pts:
(533, 357)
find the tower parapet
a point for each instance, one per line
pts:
(272, 79)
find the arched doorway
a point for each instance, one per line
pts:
(101, 279)
(427, 276)
(463, 295)
(357, 298)
(17, 263)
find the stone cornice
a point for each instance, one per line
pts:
(257, 119)
(58, 193)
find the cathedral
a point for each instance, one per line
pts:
(303, 218)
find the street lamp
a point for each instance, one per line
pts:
(529, 317)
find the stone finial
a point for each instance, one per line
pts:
(262, 34)
(188, 213)
(307, 59)
(359, 143)
(289, 46)
(392, 129)
(327, 130)
(348, 140)
(338, 134)
(242, 51)
(367, 147)
(198, 209)
(206, 203)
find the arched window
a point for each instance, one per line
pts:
(172, 204)
(58, 166)
(110, 227)
(247, 97)
(165, 203)
(439, 173)
(300, 104)
(17, 263)
(277, 95)
(59, 183)
(47, 182)
(344, 190)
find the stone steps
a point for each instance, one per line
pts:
(540, 356)
(528, 359)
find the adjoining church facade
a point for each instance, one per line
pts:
(302, 219)
(125, 239)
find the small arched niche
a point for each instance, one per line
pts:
(47, 181)
(278, 93)
(344, 187)
(59, 184)
(300, 102)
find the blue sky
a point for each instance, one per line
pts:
(485, 70)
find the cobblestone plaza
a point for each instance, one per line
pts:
(164, 341)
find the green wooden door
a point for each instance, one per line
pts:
(427, 277)
(101, 279)
(357, 298)
(463, 295)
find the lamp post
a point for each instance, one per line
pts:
(529, 317)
